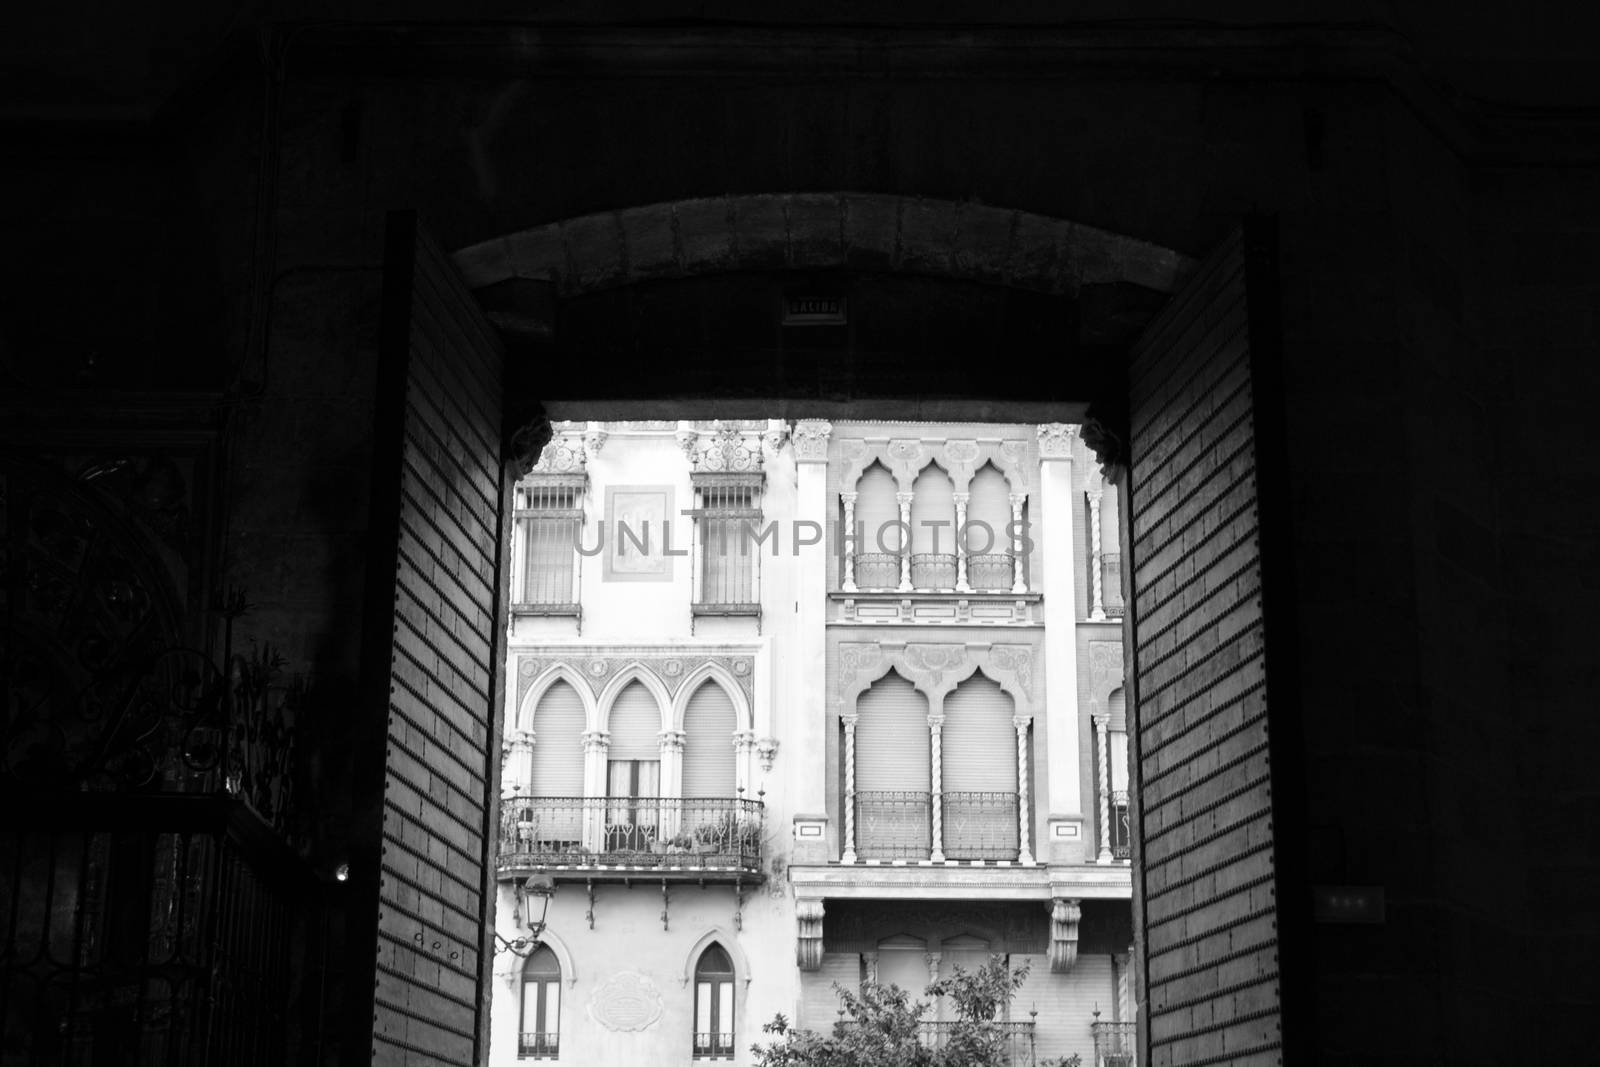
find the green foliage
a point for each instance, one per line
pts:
(881, 1026)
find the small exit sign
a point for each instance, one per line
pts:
(813, 310)
(1347, 904)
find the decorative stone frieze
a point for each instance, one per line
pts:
(1105, 672)
(598, 665)
(724, 450)
(936, 668)
(564, 454)
(1065, 915)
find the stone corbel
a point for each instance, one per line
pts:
(594, 438)
(1064, 917)
(766, 752)
(688, 439)
(776, 433)
(808, 942)
(527, 443)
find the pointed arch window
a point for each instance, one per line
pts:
(539, 1036)
(713, 1005)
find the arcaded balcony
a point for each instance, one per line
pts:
(698, 837)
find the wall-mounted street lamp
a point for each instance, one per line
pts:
(539, 887)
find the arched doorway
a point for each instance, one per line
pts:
(1185, 460)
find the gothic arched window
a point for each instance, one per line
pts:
(539, 1034)
(713, 1005)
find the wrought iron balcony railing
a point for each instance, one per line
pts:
(1115, 1044)
(877, 570)
(1111, 581)
(980, 826)
(700, 833)
(933, 570)
(1014, 1038)
(1121, 827)
(713, 1045)
(539, 1045)
(893, 825)
(990, 572)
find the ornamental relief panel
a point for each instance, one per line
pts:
(1105, 672)
(598, 666)
(627, 1001)
(937, 668)
(905, 459)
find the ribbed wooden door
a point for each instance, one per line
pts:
(1206, 865)
(430, 661)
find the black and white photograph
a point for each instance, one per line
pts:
(1023, 534)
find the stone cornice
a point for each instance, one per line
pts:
(949, 882)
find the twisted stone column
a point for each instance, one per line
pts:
(961, 543)
(1103, 762)
(936, 746)
(1024, 822)
(849, 855)
(1019, 581)
(848, 543)
(1097, 610)
(904, 500)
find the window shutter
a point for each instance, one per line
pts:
(989, 501)
(876, 508)
(819, 1004)
(558, 725)
(708, 757)
(635, 725)
(933, 501)
(978, 740)
(431, 653)
(892, 747)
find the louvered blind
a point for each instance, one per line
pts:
(708, 758)
(876, 509)
(558, 743)
(979, 741)
(933, 502)
(989, 502)
(635, 725)
(892, 747)
(819, 1004)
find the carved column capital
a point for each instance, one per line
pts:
(671, 740)
(596, 741)
(1056, 440)
(810, 437)
(1065, 914)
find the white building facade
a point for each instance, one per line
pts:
(759, 754)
